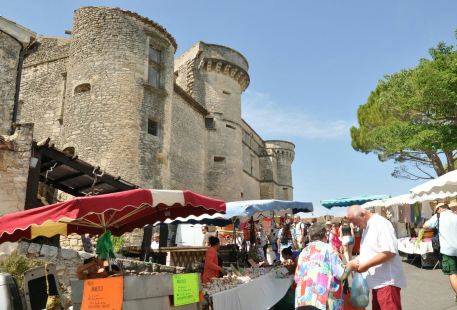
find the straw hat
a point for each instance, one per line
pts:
(441, 205)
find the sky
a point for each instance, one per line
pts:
(311, 65)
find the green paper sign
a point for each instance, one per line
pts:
(185, 289)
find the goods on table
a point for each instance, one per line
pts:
(235, 278)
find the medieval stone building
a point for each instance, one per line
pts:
(114, 93)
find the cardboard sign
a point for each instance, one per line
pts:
(103, 294)
(185, 289)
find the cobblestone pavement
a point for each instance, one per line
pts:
(427, 290)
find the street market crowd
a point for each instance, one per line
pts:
(322, 258)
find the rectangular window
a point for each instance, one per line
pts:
(154, 55)
(209, 123)
(153, 127)
(154, 67)
(153, 76)
(219, 158)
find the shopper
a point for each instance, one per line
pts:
(347, 238)
(205, 232)
(357, 238)
(446, 222)
(319, 273)
(286, 238)
(335, 240)
(299, 227)
(92, 268)
(379, 258)
(155, 245)
(212, 268)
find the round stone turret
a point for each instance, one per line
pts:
(216, 76)
(119, 84)
(284, 153)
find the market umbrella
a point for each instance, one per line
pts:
(346, 202)
(244, 209)
(442, 187)
(118, 212)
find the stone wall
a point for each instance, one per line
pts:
(42, 95)
(14, 41)
(68, 260)
(15, 154)
(9, 59)
(188, 147)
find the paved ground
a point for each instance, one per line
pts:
(427, 290)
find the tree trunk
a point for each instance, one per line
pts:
(450, 161)
(437, 163)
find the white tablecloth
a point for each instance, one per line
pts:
(260, 293)
(408, 245)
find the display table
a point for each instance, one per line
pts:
(424, 249)
(260, 293)
(408, 245)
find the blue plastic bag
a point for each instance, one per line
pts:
(360, 294)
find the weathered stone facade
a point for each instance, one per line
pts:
(15, 154)
(68, 260)
(13, 40)
(114, 93)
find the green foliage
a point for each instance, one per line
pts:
(411, 117)
(16, 265)
(118, 243)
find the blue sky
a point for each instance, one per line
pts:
(312, 63)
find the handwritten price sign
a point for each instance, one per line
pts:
(103, 294)
(185, 289)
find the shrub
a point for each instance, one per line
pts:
(16, 265)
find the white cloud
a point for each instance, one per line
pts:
(271, 120)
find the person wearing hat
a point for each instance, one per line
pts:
(320, 266)
(445, 221)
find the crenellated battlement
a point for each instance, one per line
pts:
(229, 69)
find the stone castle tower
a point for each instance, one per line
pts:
(114, 94)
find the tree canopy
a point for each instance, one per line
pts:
(411, 117)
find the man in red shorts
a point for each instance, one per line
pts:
(379, 258)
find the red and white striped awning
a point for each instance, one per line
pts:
(118, 212)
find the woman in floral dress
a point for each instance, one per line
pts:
(319, 274)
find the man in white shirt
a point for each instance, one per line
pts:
(206, 235)
(448, 240)
(155, 241)
(379, 258)
(299, 232)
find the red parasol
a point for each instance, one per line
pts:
(118, 212)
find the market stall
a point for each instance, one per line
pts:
(442, 187)
(347, 202)
(117, 213)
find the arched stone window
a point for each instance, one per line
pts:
(82, 88)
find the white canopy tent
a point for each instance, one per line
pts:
(442, 187)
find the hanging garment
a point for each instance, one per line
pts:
(408, 214)
(426, 211)
(417, 213)
(401, 213)
(395, 217)
(266, 224)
